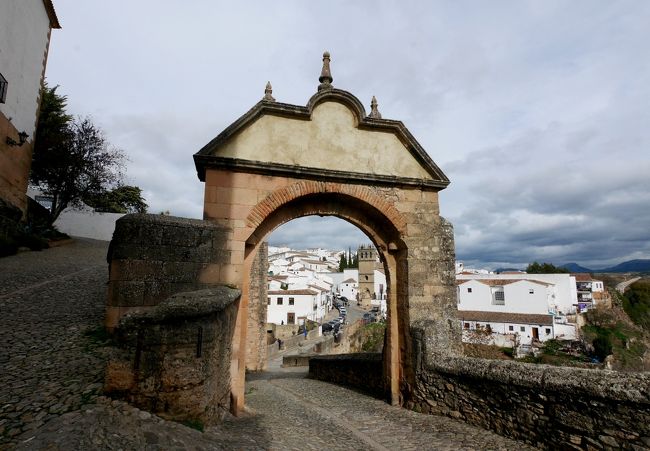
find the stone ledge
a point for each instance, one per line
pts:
(611, 385)
(142, 218)
(185, 305)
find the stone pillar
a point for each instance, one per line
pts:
(256, 358)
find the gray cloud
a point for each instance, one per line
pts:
(537, 111)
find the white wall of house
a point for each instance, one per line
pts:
(564, 295)
(87, 223)
(380, 284)
(23, 46)
(565, 331)
(304, 305)
(349, 289)
(519, 297)
(525, 331)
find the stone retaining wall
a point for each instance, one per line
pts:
(549, 407)
(174, 360)
(151, 257)
(361, 371)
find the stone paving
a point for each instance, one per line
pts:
(51, 368)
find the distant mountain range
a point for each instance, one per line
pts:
(642, 265)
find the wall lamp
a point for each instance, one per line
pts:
(22, 139)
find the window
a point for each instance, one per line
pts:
(511, 328)
(3, 89)
(290, 301)
(268, 301)
(466, 325)
(469, 290)
(548, 331)
(366, 277)
(280, 300)
(531, 291)
(498, 296)
(523, 328)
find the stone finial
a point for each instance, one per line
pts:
(374, 112)
(267, 93)
(325, 74)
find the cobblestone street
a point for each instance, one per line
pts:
(51, 369)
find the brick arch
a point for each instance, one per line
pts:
(379, 220)
(285, 195)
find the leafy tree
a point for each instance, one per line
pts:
(123, 199)
(72, 159)
(545, 268)
(355, 261)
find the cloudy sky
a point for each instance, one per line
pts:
(538, 112)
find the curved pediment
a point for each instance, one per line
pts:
(330, 138)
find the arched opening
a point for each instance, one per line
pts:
(386, 237)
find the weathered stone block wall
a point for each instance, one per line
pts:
(256, 357)
(549, 407)
(361, 371)
(174, 360)
(152, 257)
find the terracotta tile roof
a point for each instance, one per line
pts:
(294, 292)
(503, 317)
(500, 282)
(582, 277)
(316, 287)
(349, 281)
(279, 278)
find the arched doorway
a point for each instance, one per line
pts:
(384, 234)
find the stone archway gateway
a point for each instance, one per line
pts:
(279, 162)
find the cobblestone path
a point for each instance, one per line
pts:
(51, 368)
(51, 302)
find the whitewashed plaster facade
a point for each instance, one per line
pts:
(564, 298)
(293, 306)
(24, 41)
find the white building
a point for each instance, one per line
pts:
(514, 307)
(564, 295)
(349, 286)
(294, 306)
(504, 326)
(590, 292)
(25, 30)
